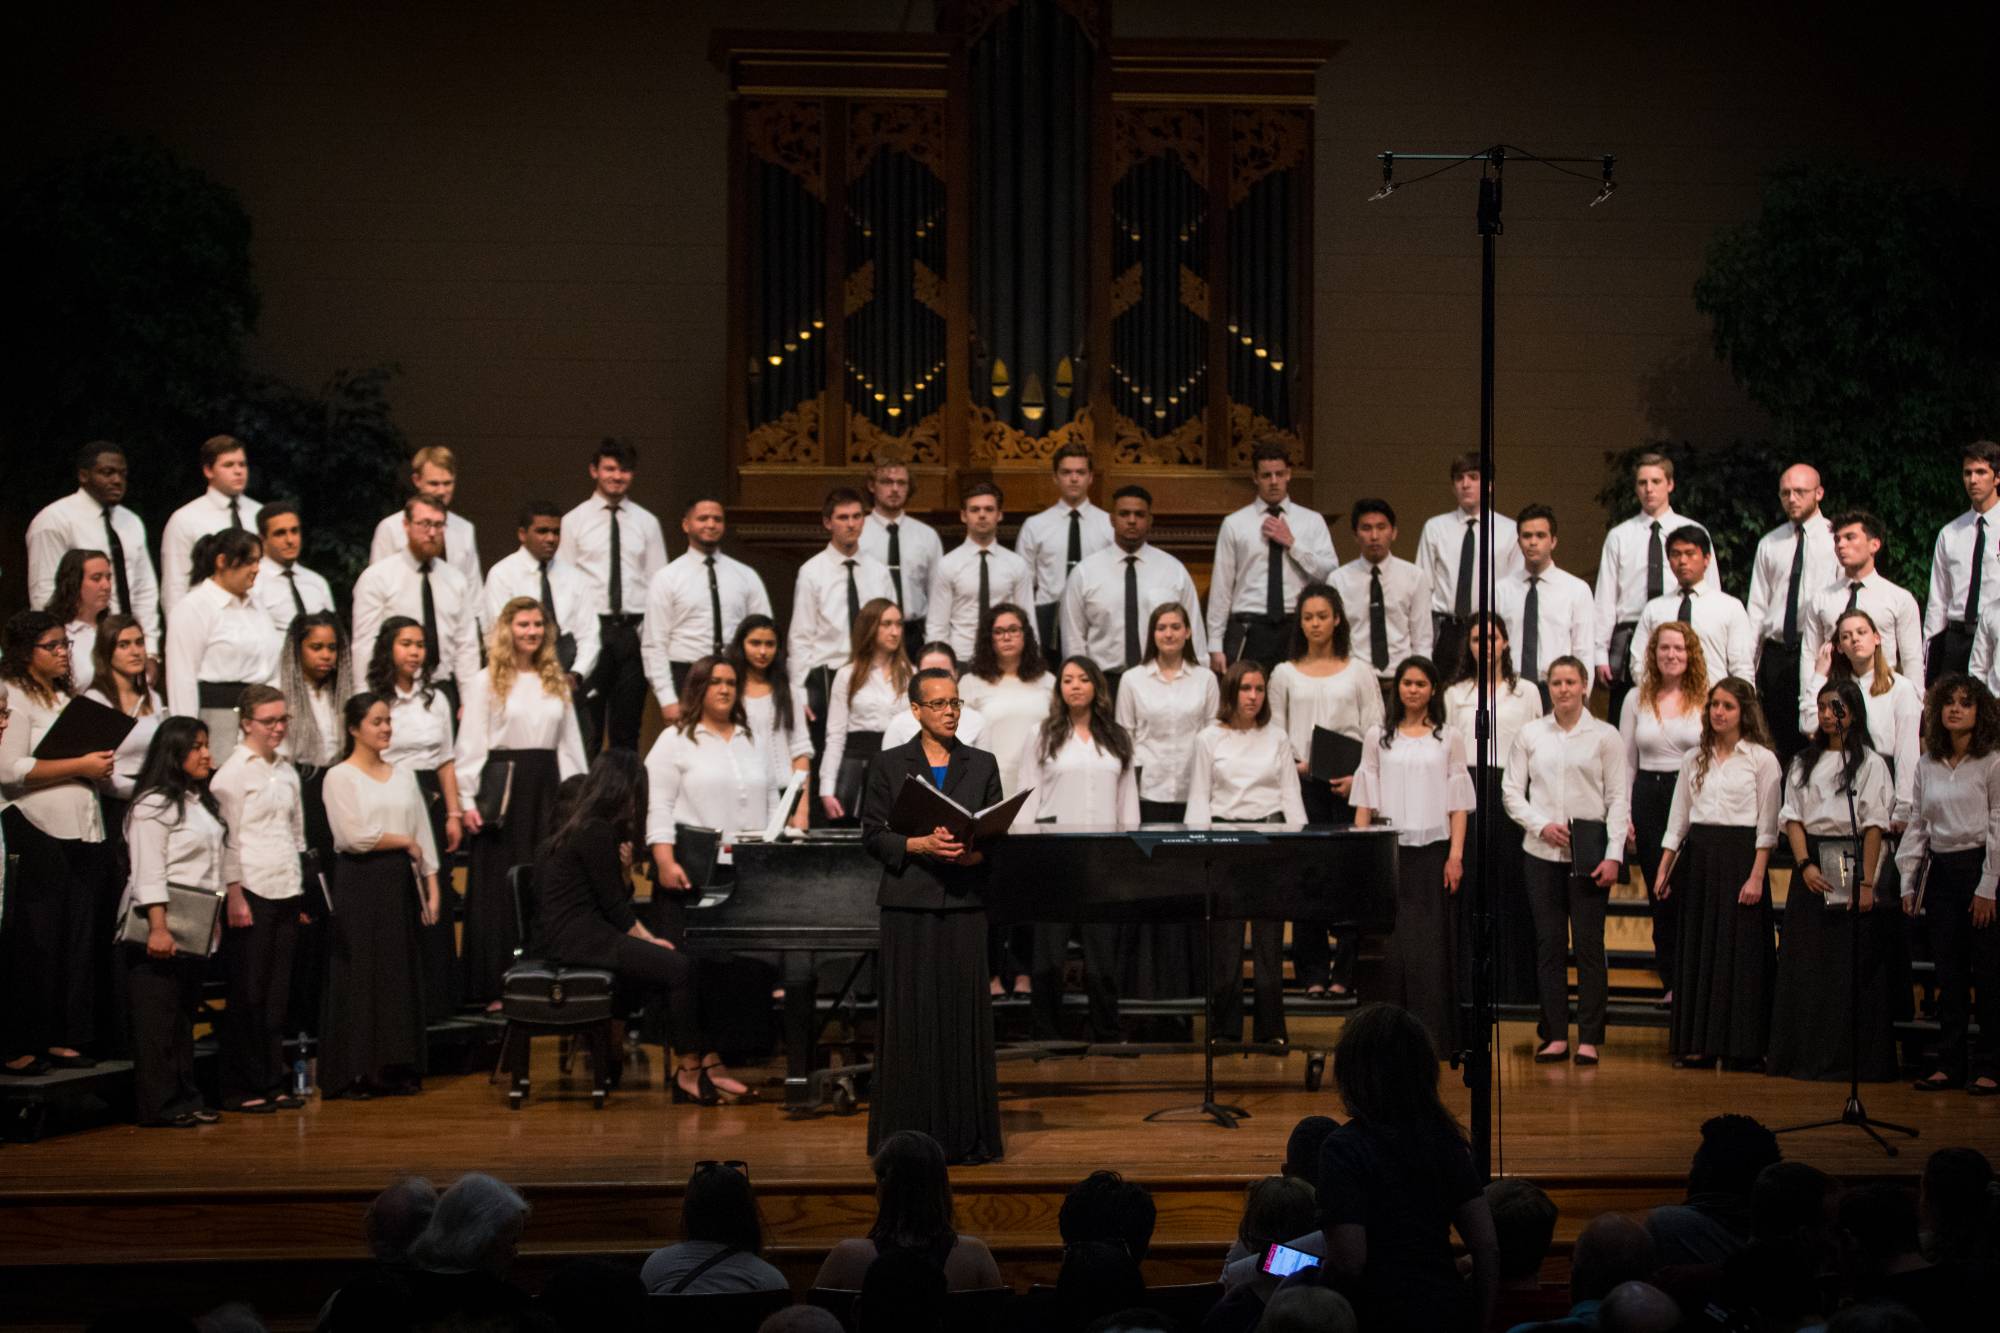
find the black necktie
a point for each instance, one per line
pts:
(549, 601)
(431, 654)
(1274, 574)
(1687, 607)
(896, 560)
(714, 606)
(985, 587)
(1798, 577)
(853, 595)
(1132, 650)
(1461, 602)
(1972, 588)
(1853, 597)
(116, 550)
(617, 566)
(1656, 570)
(298, 602)
(1075, 541)
(1378, 622)
(235, 515)
(1531, 629)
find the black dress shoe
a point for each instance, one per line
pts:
(287, 1101)
(35, 1068)
(1545, 1056)
(1694, 1062)
(265, 1107)
(70, 1061)
(185, 1120)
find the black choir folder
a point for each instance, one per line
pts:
(922, 809)
(84, 726)
(1589, 846)
(1334, 755)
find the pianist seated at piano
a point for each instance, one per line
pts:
(903, 726)
(934, 1047)
(706, 771)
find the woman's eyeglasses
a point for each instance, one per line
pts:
(942, 705)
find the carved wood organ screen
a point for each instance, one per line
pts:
(965, 250)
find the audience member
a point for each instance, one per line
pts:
(1612, 1250)
(1884, 1262)
(802, 1319)
(1106, 1206)
(1785, 1272)
(231, 1317)
(1278, 1210)
(902, 1292)
(399, 1215)
(1524, 1224)
(1714, 1222)
(1960, 1205)
(1308, 1309)
(1302, 1147)
(1097, 1277)
(1878, 1319)
(1134, 1321)
(1638, 1307)
(593, 1296)
(722, 1239)
(475, 1228)
(913, 1212)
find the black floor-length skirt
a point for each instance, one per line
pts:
(1726, 956)
(1506, 902)
(491, 935)
(50, 944)
(1420, 957)
(443, 986)
(934, 1050)
(1160, 961)
(1811, 1018)
(308, 986)
(373, 1020)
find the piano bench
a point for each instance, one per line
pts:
(545, 999)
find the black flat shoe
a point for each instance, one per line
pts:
(1545, 1056)
(35, 1068)
(265, 1107)
(69, 1061)
(1938, 1083)
(1694, 1062)
(1753, 1064)
(186, 1121)
(205, 1116)
(287, 1101)
(1586, 1060)
(1982, 1089)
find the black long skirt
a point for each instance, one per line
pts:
(1160, 961)
(51, 945)
(1726, 956)
(373, 1021)
(491, 935)
(1506, 902)
(308, 986)
(442, 984)
(1420, 958)
(1810, 1021)
(934, 1050)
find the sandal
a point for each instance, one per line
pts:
(703, 1093)
(1983, 1087)
(731, 1097)
(1938, 1082)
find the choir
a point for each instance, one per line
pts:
(1093, 672)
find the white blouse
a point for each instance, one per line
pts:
(1514, 707)
(361, 810)
(419, 733)
(780, 746)
(82, 644)
(214, 636)
(529, 718)
(1554, 776)
(1820, 801)
(1956, 809)
(705, 781)
(1080, 784)
(1743, 791)
(1243, 775)
(1013, 709)
(904, 727)
(181, 848)
(873, 707)
(1416, 783)
(62, 809)
(131, 755)
(1164, 716)
(262, 804)
(1349, 702)
(1895, 727)
(1655, 744)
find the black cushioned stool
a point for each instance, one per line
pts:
(546, 999)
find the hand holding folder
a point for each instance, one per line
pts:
(922, 809)
(1335, 755)
(84, 726)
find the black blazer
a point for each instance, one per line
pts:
(923, 882)
(585, 898)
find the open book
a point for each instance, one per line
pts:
(921, 808)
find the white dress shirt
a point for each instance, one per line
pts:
(1515, 705)
(781, 745)
(1565, 615)
(461, 544)
(217, 637)
(920, 548)
(1415, 783)
(953, 599)
(1044, 543)
(131, 753)
(520, 575)
(394, 587)
(61, 809)
(1720, 622)
(1820, 802)
(1746, 790)
(265, 811)
(705, 781)
(1238, 582)
(1957, 809)
(1093, 603)
(875, 704)
(1554, 776)
(1406, 611)
(1163, 717)
(821, 631)
(1951, 569)
(1893, 609)
(1349, 702)
(642, 552)
(1771, 575)
(82, 644)
(1082, 783)
(903, 728)
(1655, 743)
(206, 513)
(1621, 571)
(1013, 708)
(1443, 541)
(1241, 775)
(529, 718)
(180, 846)
(1985, 664)
(327, 728)
(360, 811)
(76, 523)
(680, 619)
(419, 732)
(1895, 724)
(273, 592)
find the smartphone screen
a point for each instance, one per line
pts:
(1283, 1260)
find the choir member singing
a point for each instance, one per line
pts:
(1549, 612)
(978, 574)
(904, 545)
(314, 678)
(416, 582)
(218, 641)
(1661, 722)
(619, 547)
(1965, 563)
(1894, 704)
(1265, 555)
(433, 477)
(538, 569)
(867, 691)
(1795, 560)
(774, 712)
(119, 680)
(1056, 540)
(223, 507)
(694, 604)
(1111, 594)
(1393, 591)
(94, 519)
(827, 599)
(80, 600)
(285, 588)
(1719, 620)
(1632, 571)
(1448, 559)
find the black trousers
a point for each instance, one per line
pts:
(1778, 691)
(1621, 667)
(1048, 628)
(1652, 802)
(163, 992)
(1313, 962)
(669, 973)
(257, 960)
(618, 684)
(1447, 642)
(1100, 977)
(1950, 650)
(1225, 971)
(1968, 967)
(1260, 639)
(52, 945)
(1569, 912)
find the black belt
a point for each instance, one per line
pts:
(624, 618)
(219, 695)
(1648, 775)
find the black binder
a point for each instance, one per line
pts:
(85, 726)
(1589, 846)
(921, 808)
(1334, 755)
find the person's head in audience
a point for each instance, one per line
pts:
(1611, 1250)
(1734, 1148)
(1524, 1222)
(802, 1319)
(1387, 1070)
(1768, 1286)
(398, 1216)
(1276, 1210)
(1106, 1206)
(1134, 1321)
(231, 1317)
(1885, 1318)
(1097, 1277)
(1960, 1207)
(1308, 1309)
(1878, 1231)
(902, 1292)
(1638, 1307)
(913, 1208)
(1792, 1204)
(476, 1228)
(592, 1296)
(719, 1207)
(1302, 1148)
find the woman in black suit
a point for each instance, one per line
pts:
(583, 886)
(934, 1054)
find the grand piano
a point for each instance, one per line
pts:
(811, 897)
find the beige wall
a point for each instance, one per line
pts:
(523, 205)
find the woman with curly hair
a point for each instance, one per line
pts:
(518, 739)
(1661, 722)
(81, 597)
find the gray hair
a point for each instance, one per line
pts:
(802, 1318)
(475, 1228)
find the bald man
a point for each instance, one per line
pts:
(1795, 560)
